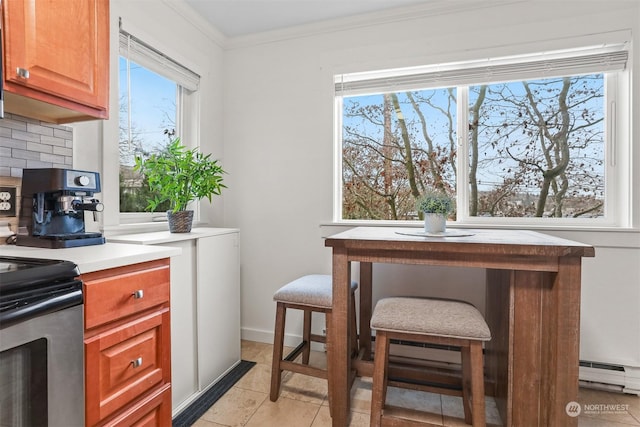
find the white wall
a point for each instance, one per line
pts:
(169, 27)
(278, 133)
(270, 99)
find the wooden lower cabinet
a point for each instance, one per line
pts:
(128, 346)
(152, 411)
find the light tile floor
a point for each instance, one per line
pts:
(303, 401)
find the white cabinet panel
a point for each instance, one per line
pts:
(205, 307)
(218, 304)
(183, 323)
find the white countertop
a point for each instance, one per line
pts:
(119, 250)
(158, 237)
(95, 257)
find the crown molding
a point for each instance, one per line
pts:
(404, 13)
(400, 14)
(195, 19)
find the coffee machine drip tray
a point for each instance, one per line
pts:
(58, 241)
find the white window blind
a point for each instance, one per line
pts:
(516, 68)
(145, 55)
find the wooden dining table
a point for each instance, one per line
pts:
(532, 308)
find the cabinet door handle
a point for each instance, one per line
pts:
(138, 294)
(136, 362)
(22, 72)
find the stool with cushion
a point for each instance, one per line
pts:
(312, 293)
(435, 321)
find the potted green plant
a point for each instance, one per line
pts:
(435, 206)
(180, 175)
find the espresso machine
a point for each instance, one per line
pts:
(54, 202)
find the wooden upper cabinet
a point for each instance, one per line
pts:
(56, 59)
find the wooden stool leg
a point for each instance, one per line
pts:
(477, 384)
(328, 344)
(278, 344)
(306, 337)
(354, 327)
(379, 390)
(466, 383)
(366, 304)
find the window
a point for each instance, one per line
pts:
(527, 140)
(154, 94)
(147, 123)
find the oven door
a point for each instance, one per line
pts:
(42, 370)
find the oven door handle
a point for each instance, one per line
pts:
(45, 306)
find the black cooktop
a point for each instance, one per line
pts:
(24, 273)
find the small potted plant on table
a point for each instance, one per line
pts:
(435, 206)
(180, 175)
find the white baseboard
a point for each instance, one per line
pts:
(290, 340)
(626, 381)
(257, 335)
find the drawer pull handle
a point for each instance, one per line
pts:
(137, 362)
(22, 72)
(138, 294)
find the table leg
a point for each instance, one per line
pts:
(366, 276)
(532, 358)
(561, 344)
(338, 354)
(527, 366)
(498, 354)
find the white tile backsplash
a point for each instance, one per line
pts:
(27, 143)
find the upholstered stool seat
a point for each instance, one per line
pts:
(311, 293)
(435, 321)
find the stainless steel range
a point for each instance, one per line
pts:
(41, 343)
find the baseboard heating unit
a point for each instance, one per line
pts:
(610, 377)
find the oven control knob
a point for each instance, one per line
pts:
(82, 180)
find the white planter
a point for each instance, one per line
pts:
(435, 223)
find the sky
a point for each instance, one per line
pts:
(490, 172)
(153, 103)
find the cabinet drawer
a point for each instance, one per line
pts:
(153, 411)
(125, 363)
(125, 291)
